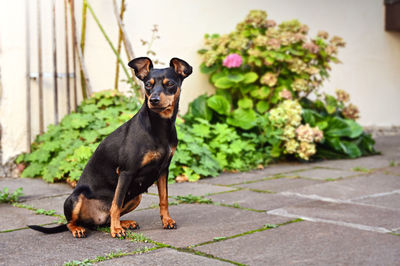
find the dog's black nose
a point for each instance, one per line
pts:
(155, 100)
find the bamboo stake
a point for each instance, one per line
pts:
(127, 44)
(55, 64)
(83, 39)
(28, 80)
(67, 56)
(40, 70)
(74, 58)
(85, 93)
(119, 45)
(112, 46)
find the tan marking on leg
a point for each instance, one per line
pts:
(115, 215)
(77, 231)
(131, 205)
(150, 156)
(167, 221)
(129, 224)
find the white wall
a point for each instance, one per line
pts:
(370, 69)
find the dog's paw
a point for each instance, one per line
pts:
(77, 231)
(117, 232)
(130, 225)
(168, 223)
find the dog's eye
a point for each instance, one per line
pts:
(170, 84)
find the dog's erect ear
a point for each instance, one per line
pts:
(142, 66)
(182, 68)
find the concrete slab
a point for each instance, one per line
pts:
(164, 256)
(196, 189)
(28, 247)
(14, 218)
(34, 188)
(200, 223)
(326, 174)
(270, 170)
(387, 201)
(307, 243)
(369, 162)
(51, 203)
(256, 200)
(394, 170)
(379, 218)
(280, 184)
(388, 145)
(352, 188)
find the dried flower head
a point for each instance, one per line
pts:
(306, 150)
(342, 96)
(337, 41)
(285, 94)
(305, 133)
(291, 146)
(269, 79)
(351, 112)
(323, 34)
(270, 23)
(312, 47)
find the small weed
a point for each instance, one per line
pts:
(271, 225)
(104, 229)
(236, 205)
(137, 237)
(330, 179)
(7, 197)
(85, 262)
(190, 199)
(361, 169)
(392, 163)
(44, 212)
(219, 238)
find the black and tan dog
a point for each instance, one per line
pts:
(131, 159)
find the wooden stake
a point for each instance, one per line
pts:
(74, 57)
(55, 74)
(40, 70)
(83, 39)
(28, 78)
(121, 15)
(67, 56)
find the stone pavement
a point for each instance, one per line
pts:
(344, 212)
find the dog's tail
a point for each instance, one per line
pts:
(52, 230)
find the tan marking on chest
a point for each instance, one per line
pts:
(172, 151)
(150, 156)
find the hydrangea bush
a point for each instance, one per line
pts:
(266, 72)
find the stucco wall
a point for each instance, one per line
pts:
(370, 69)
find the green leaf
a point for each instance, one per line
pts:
(339, 127)
(245, 103)
(224, 83)
(235, 77)
(219, 104)
(250, 77)
(262, 106)
(243, 118)
(199, 108)
(207, 70)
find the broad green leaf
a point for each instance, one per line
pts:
(243, 118)
(224, 83)
(262, 106)
(339, 127)
(199, 108)
(219, 104)
(207, 70)
(250, 77)
(245, 103)
(235, 77)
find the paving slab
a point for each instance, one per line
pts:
(164, 256)
(307, 243)
(280, 184)
(14, 218)
(394, 170)
(352, 188)
(326, 174)
(269, 171)
(196, 189)
(391, 200)
(371, 216)
(34, 188)
(198, 223)
(388, 145)
(28, 247)
(369, 162)
(257, 200)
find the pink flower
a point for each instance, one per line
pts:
(232, 61)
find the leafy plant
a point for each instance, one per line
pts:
(63, 151)
(45, 212)
(190, 199)
(7, 197)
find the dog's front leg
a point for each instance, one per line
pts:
(116, 229)
(167, 221)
